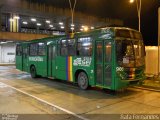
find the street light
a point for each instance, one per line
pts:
(139, 5)
(159, 42)
(131, 1)
(72, 10)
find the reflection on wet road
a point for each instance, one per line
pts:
(70, 97)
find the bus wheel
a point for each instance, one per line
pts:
(33, 72)
(83, 80)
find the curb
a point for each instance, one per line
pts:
(7, 64)
(147, 88)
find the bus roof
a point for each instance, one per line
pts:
(112, 29)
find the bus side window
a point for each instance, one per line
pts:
(99, 52)
(19, 50)
(108, 52)
(71, 47)
(58, 48)
(33, 49)
(63, 48)
(41, 49)
(67, 47)
(25, 52)
(54, 52)
(78, 48)
(84, 46)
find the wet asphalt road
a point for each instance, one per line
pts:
(20, 94)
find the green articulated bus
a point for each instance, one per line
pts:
(111, 57)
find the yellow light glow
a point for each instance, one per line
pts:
(131, 1)
(85, 28)
(16, 17)
(11, 20)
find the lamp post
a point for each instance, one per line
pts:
(72, 11)
(139, 5)
(158, 42)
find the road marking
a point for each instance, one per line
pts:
(41, 100)
(2, 85)
(145, 88)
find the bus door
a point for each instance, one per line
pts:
(51, 60)
(104, 63)
(24, 57)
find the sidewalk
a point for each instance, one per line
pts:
(151, 83)
(7, 64)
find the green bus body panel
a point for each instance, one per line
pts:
(40, 63)
(67, 67)
(85, 64)
(19, 61)
(61, 68)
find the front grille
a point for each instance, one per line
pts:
(133, 73)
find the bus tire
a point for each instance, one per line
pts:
(33, 72)
(82, 80)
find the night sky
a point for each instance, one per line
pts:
(123, 10)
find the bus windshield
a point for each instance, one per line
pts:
(130, 53)
(128, 34)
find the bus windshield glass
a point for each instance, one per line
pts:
(137, 35)
(128, 34)
(130, 53)
(123, 33)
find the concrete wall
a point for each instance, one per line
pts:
(152, 60)
(159, 26)
(36, 6)
(7, 53)
(21, 36)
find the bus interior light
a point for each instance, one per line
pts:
(86, 44)
(40, 43)
(3, 42)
